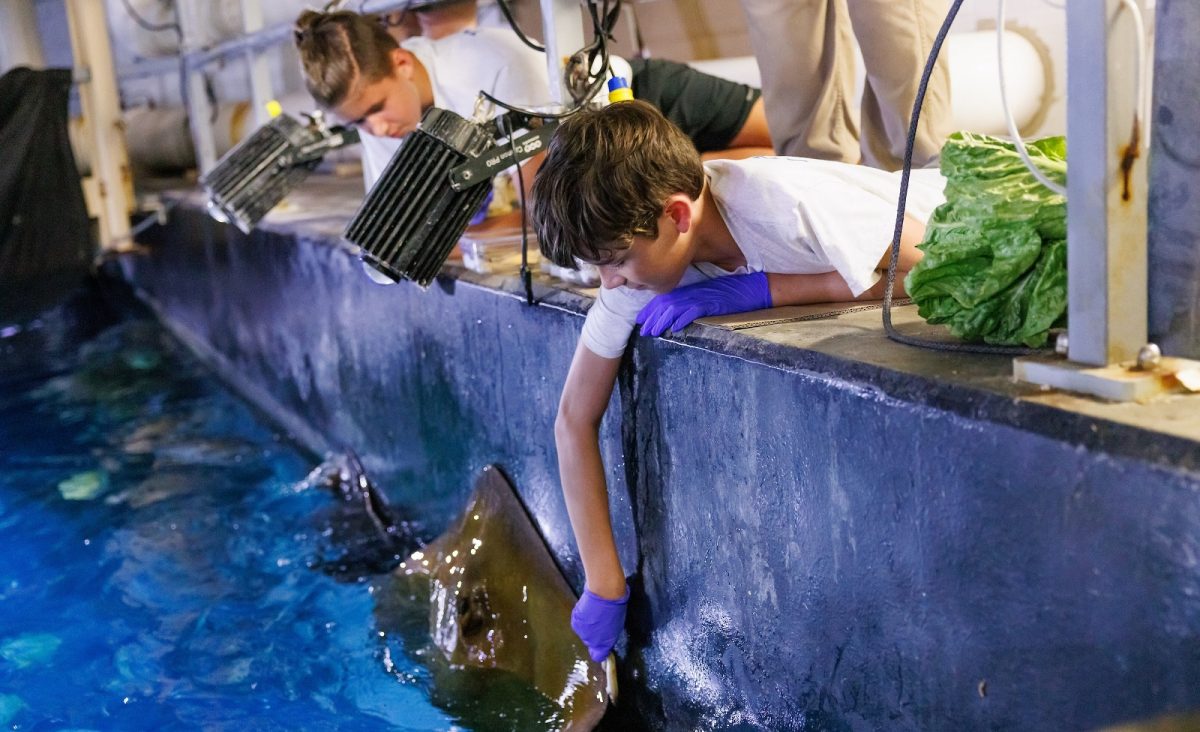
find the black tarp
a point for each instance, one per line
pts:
(45, 234)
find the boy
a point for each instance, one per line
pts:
(356, 69)
(675, 240)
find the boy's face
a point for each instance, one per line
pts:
(387, 107)
(656, 264)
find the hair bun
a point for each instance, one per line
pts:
(305, 23)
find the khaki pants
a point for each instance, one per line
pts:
(805, 52)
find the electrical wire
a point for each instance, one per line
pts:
(512, 21)
(888, 327)
(603, 19)
(1141, 108)
(526, 275)
(1141, 98)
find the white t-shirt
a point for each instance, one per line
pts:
(788, 216)
(459, 67)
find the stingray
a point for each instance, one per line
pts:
(361, 533)
(493, 594)
(498, 600)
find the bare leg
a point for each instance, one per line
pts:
(754, 132)
(751, 141)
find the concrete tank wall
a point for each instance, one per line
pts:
(819, 543)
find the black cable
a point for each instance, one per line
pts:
(155, 27)
(210, 92)
(526, 275)
(890, 329)
(593, 90)
(601, 30)
(512, 21)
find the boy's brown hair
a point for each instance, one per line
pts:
(606, 179)
(339, 48)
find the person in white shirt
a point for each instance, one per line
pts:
(354, 68)
(676, 239)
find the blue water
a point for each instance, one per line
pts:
(156, 539)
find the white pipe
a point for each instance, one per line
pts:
(20, 44)
(256, 62)
(159, 138)
(974, 94)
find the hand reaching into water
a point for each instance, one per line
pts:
(598, 622)
(674, 310)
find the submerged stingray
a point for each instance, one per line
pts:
(498, 600)
(362, 534)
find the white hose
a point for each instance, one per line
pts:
(1008, 118)
(1141, 107)
(1139, 95)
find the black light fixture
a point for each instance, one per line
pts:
(249, 180)
(421, 204)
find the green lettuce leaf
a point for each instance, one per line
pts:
(995, 253)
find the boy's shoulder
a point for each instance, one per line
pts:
(775, 176)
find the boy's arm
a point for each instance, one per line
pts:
(831, 287)
(806, 289)
(584, 400)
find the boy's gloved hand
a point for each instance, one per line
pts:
(479, 216)
(674, 310)
(599, 622)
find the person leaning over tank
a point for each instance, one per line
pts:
(354, 68)
(676, 239)
(433, 18)
(724, 118)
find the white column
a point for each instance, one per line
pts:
(562, 27)
(20, 44)
(112, 181)
(199, 109)
(256, 62)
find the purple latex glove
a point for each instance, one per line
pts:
(674, 310)
(479, 216)
(599, 622)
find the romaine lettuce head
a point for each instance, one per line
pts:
(995, 253)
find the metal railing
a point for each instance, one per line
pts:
(195, 57)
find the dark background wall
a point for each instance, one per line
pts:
(812, 551)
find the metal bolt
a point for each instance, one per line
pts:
(1061, 344)
(1149, 357)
